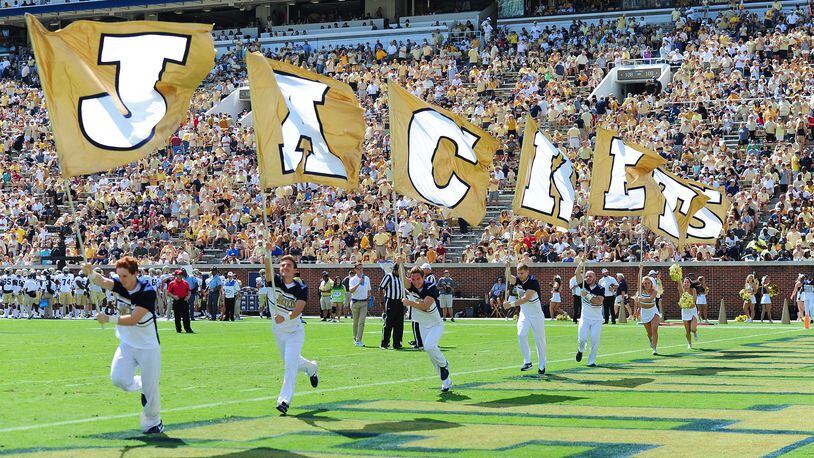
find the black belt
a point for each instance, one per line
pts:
(360, 300)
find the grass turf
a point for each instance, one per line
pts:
(745, 391)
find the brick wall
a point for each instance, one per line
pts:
(724, 279)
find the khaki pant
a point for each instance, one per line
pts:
(80, 299)
(359, 311)
(96, 298)
(325, 302)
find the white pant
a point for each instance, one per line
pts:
(594, 329)
(290, 346)
(808, 305)
(526, 323)
(123, 375)
(431, 337)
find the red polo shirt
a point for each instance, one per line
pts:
(178, 288)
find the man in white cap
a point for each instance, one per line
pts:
(610, 284)
(360, 296)
(262, 292)
(231, 292)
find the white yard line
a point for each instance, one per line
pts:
(349, 388)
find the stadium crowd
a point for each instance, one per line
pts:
(738, 114)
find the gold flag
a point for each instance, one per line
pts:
(708, 223)
(117, 91)
(546, 180)
(309, 127)
(681, 202)
(616, 165)
(439, 157)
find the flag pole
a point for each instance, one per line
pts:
(268, 260)
(80, 245)
(641, 256)
(509, 248)
(400, 272)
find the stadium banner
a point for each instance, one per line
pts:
(616, 165)
(309, 127)
(710, 222)
(681, 202)
(438, 157)
(546, 180)
(117, 91)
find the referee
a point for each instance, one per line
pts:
(393, 291)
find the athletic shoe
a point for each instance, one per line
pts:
(444, 319)
(445, 372)
(384, 347)
(411, 343)
(579, 356)
(359, 344)
(314, 380)
(157, 429)
(525, 367)
(592, 365)
(689, 346)
(452, 319)
(655, 352)
(445, 389)
(143, 400)
(283, 407)
(541, 371)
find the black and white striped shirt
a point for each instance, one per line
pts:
(392, 286)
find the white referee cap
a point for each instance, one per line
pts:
(426, 266)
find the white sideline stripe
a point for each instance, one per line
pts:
(343, 388)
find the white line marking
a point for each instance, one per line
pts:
(346, 388)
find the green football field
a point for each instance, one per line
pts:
(747, 390)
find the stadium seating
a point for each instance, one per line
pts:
(735, 115)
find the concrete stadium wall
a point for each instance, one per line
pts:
(725, 279)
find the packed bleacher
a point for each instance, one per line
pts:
(738, 114)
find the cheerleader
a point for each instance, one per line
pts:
(646, 304)
(798, 296)
(556, 300)
(750, 286)
(689, 315)
(702, 289)
(765, 299)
